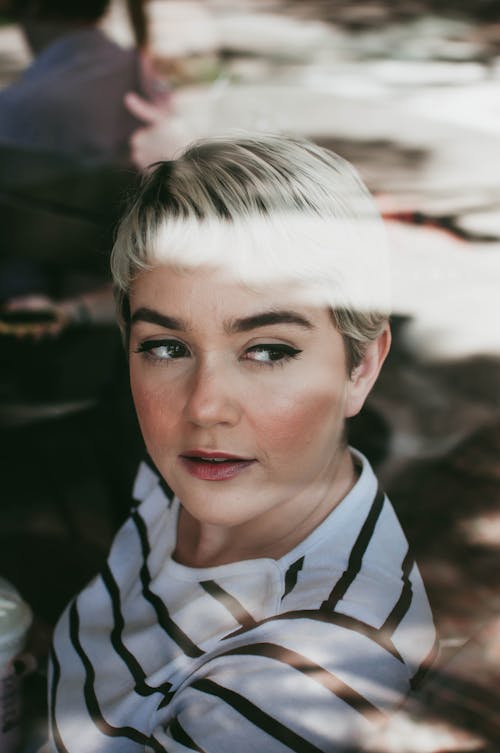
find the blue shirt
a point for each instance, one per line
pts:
(70, 100)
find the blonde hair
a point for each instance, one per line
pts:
(275, 208)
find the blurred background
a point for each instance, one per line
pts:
(409, 91)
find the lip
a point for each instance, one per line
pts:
(212, 454)
(195, 462)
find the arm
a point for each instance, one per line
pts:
(305, 687)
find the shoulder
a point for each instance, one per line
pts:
(141, 545)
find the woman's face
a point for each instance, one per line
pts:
(241, 395)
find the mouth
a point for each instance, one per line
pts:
(214, 466)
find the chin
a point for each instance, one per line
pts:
(216, 519)
(223, 510)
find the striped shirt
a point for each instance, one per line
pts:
(303, 654)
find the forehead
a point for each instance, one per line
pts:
(335, 260)
(213, 291)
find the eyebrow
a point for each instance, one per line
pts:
(151, 316)
(232, 326)
(267, 319)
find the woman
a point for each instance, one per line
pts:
(261, 596)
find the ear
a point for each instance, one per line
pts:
(365, 374)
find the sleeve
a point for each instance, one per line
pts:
(310, 687)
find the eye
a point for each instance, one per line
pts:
(271, 353)
(163, 350)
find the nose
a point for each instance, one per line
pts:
(212, 398)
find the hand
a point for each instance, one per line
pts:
(162, 136)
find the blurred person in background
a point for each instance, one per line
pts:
(59, 123)
(70, 99)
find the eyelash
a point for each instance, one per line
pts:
(284, 352)
(147, 348)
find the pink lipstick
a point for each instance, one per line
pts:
(213, 466)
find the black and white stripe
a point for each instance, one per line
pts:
(230, 602)
(92, 704)
(164, 619)
(292, 575)
(342, 624)
(356, 555)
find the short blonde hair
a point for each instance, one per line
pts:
(263, 181)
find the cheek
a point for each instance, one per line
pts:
(309, 416)
(152, 408)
